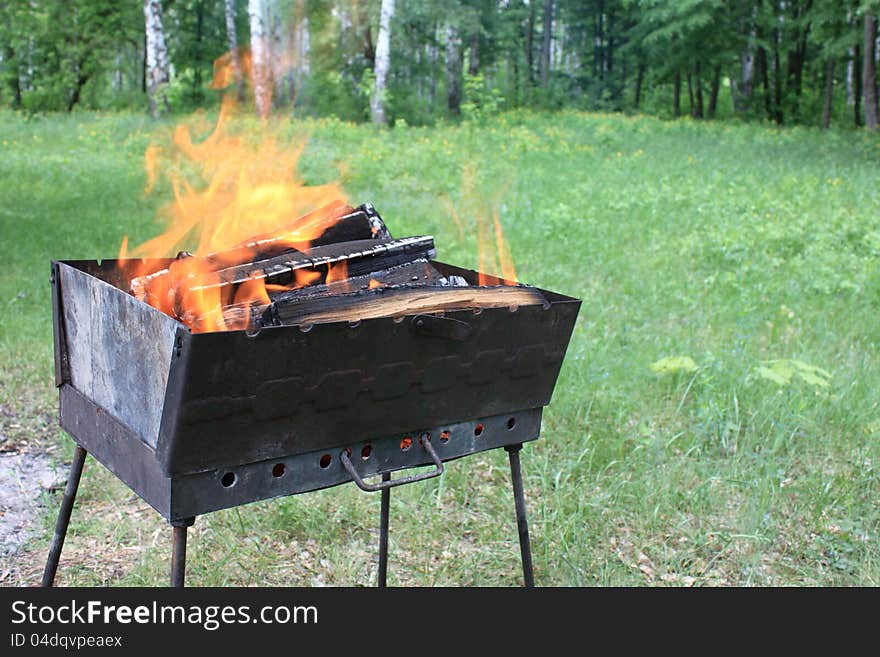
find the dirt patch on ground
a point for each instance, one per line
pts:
(24, 476)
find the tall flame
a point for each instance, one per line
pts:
(493, 253)
(228, 188)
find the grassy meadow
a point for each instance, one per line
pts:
(716, 421)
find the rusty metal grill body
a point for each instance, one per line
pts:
(194, 423)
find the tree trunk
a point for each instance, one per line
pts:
(157, 58)
(698, 81)
(829, 93)
(765, 81)
(232, 43)
(676, 95)
(433, 59)
(76, 92)
(144, 66)
(777, 83)
(117, 72)
(609, 51)
(474, 55)
(869, 72)
(12, 75)
(280, 59)
(453, 71)
(747, 67)
(200, 35)
(546, 38)
(530, 43)
(260, 57)
(857, 92)
(383, 60)
(713, 93)
(598, 40)
(369, 47)
(850, 73)
(692, 109)
(640, 77)
(304, 46)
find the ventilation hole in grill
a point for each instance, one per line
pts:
(445, 436)
(405, 444)
(366, 451)
(478, 430)
(325, 461)
(227, 480)
(278, 470)
(511, 423)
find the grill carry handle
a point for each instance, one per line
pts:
(391, 483)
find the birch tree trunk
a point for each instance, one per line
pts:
(747, 76)
(383, 59)
(299, 48)
(232, 41)
(305, 47)
(157, 58)
(453, 70)
(850, 73)
(280, 60)
(260, 57)
(545, 46)
(869, 72)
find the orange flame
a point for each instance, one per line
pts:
(224, 68)
(493, 252)
(227, 189)
(151, 166)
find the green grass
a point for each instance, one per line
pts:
(736, 246)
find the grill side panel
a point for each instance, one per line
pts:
(118, 350)
(287, 391)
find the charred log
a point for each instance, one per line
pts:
(341, 223)
(359, 257)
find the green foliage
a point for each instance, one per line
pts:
(674, 365)
(55, 50)
(782, 371)
(481, 102)
(613, 55)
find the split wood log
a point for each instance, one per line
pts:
(400, 301)
(419, 272)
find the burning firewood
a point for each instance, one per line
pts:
(360, 257)
(351, 270)
(332, 224)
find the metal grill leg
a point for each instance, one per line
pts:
(178, 551)
(76, 468)
(522, 522)
(382, 577)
